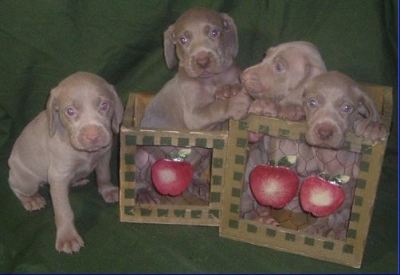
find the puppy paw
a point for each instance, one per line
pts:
(147, 196)
(110, 193)
(264, 107)
(227, 91)
(374, 131)
(68, 240)
(292, 112)
(238, 106)
(32, 203)
(200, 189)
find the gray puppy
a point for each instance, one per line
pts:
(204, 44)
(63, 145)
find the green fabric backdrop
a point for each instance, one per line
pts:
(41, 42)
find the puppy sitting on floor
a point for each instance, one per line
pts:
(63, 145)
(206, 44)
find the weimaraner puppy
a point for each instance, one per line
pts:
(335, 105)
(63, 145)
(277, 85)
(204, 44)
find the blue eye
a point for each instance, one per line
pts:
(104, 106)
(347, 108)
(71, 111)
(183, 40)
(214, 33)
(279, 67)
(312, 102)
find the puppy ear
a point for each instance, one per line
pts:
(169, 47)
(366, 107)
(231, 41)
(118, 110)
(52, 109)
(310, 70)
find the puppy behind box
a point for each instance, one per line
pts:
(205, 43)
(63, 145)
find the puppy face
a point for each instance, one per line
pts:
(85, 107)
(205, 42)
(284, 69)
(333, 103)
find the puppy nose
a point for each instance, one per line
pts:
(91, 135)
(203, 60)
(325, 132)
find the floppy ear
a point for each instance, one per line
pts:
(52, 112)
(313, 65)
(118, 110)
(310, 71)
(169, 47)
(231, 41)
(366, 107)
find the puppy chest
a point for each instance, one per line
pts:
(84, 167)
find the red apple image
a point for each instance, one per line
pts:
(320, 197)
(171, 177)
(273, 186)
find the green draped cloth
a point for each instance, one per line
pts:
(42, 42)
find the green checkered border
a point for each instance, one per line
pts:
(348, 252)
(171, 214)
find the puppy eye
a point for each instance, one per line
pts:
(104, 106)
(183, 40)
(279, 67)
(313, 103)
(71, 111)
(214, 33)
(347, 108)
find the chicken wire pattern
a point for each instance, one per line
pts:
(309, 161)
(364, 163)
(131, 211)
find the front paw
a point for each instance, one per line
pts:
(374, 131)
(68, 240)
(264, 107)
(227, 91)
(32, 203)
(110, 193)
(292, 112)
(238, 106)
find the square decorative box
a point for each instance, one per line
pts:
(186, 208)
(290, 229)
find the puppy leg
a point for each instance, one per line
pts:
(26, 185)
(108, 191)
(264, 107)
(67, 238)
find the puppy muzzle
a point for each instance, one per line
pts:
(325, 134)
(91, 138)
